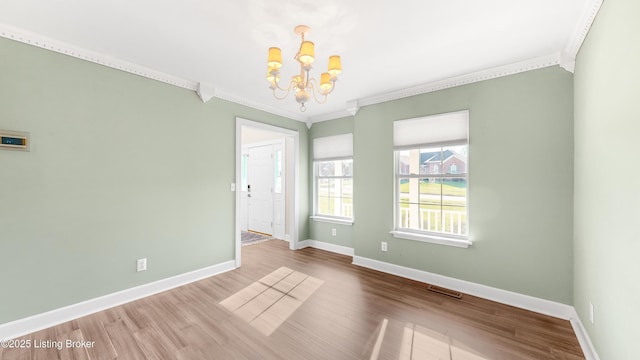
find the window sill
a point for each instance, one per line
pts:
(440, 240)
(332, 220)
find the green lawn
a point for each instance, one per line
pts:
(327, 207)
(448, 188)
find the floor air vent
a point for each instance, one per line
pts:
(444, 291)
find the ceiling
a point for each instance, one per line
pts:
(389, 49)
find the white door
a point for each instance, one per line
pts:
(260, 189)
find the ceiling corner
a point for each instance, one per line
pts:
(206, 91)
(568, 62)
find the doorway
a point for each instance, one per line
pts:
(263, 186)
(266, 182)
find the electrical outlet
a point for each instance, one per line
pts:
(383, 246)
(141, 264)
(591, 313)
(333, 232)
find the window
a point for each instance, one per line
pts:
(431, 156)
(333, 178)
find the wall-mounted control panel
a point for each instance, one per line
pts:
(14, 140)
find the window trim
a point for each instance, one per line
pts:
(332, 220)
(431, 238)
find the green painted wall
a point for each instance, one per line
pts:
(106, 182)
(321, 230)
(520, 192)
(607, 196)
(103, 185)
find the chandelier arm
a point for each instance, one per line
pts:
(312, 88)
(333, 86)
(277, 85)
(287, 90)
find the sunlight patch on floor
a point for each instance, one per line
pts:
(267, 303)
(421, 343)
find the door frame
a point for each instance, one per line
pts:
(292, 159)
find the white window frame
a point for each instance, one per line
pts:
(331, 148)
(441, 136)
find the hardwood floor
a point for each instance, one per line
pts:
(351, 313)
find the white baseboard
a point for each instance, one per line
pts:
(338, 249)
(527, 302)
(51, 318)
(588, 349)
(542, 306)
(45, 320)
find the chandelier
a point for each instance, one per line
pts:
(303, 85)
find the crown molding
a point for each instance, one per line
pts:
(565, 58)
(568, 62)
(492, 73)
(204, 90)
(330, 116)
(591, 9)
(353, 107)
(61, 47)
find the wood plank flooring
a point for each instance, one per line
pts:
(353, 313)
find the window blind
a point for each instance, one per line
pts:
(432, 130)
(333, 147)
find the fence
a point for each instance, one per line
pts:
(347, 210)
(445, 221)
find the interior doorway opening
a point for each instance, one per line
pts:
(266, 184)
